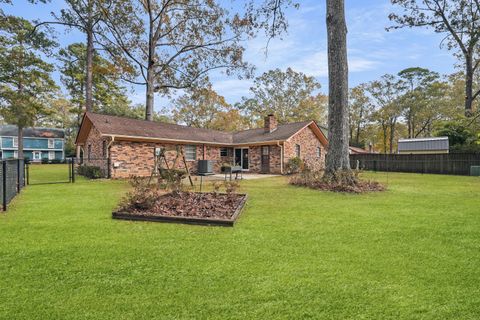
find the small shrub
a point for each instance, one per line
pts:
(216, 185)
(231, 187)
(91, 172)
(143, 196)
(56, 161)
(295, 165)
(44, 161)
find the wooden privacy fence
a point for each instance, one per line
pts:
(12, 177)
(452, 163)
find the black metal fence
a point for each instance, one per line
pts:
(52, 173)
(452, 163)
(12, 176)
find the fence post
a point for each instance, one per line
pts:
(69, 170)
(18, 176)
(27, 168)
(4, 185)
(374, 165)
(73, 170)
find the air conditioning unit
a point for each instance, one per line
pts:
(205, 167)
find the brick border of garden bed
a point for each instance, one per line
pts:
(184, 220)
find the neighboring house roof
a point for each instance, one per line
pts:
(36, 132)
(355, 150)
(423, 144)
(127, 128)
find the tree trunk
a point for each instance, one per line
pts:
(20, 142)
(89, 73)
(392, 135)
(149, 96)
(150, 73)
(468, 85)
(384, 128)
(338, 128)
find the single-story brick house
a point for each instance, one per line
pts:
(129, 145)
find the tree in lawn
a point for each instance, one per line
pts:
(386, 94)
(337, 167)
(360, 111)
(205, 108)
(108, 95)
(85, 16)
(175, 44)
(25, 82)
(417, 80)
(289, 95)
(459, 21)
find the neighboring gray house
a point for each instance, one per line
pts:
(423, 145)
(38, 143)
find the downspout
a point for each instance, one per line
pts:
(281, 157)
(109, 160)
(109, 145)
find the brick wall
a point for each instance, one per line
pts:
(93, 151)
(129, 158)
(137, 158)
(255, 159)
(308, 142)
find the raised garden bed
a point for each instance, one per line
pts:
(215, 209)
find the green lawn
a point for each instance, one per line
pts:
(412, 252)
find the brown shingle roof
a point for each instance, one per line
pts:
(283, 132)
(119, 126)
(112, 125)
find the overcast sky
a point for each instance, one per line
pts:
(372, 50)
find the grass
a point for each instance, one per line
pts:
(412, 252)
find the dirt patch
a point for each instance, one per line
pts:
(193, 205)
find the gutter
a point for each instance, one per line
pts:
(177, 141)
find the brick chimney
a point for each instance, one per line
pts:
(270, 123)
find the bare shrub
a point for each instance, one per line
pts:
(231, 187)
(142, 196)
(216, 185)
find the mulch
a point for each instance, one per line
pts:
(194, 205)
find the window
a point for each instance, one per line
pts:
(51, 155)
(319, 152)
(191, 152)
(104, 148)
(15, 154)
(15, 142)
(51, 143)
(297, 150)
(89, 151)
(224, 152)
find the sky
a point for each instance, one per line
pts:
(372, 51)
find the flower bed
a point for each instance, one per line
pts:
(189, 207)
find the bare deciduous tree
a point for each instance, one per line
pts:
(174, 44)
